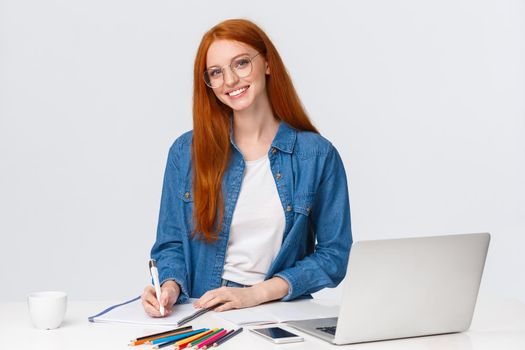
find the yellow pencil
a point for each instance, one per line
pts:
(208, 336)
(182, 343)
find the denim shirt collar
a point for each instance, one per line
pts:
(284, 140)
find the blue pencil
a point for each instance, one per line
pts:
(178, 336)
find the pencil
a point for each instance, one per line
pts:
(173, 340)
(142, 340)
(181, 344)
(224, 336)
(228, 336)
(205, 344)
(200, 340)
(177, 337)
(162, 338)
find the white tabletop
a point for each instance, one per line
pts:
(497, 324)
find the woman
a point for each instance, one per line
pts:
(251, 189)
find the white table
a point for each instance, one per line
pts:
(497, 324)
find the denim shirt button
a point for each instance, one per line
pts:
(274, 150)
(278, 176)
(289, 208)
(308, 209)
(187, 195)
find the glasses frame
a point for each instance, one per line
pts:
(231, 70)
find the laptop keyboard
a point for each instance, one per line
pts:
(329, 330)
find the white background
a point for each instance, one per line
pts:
(425, 102)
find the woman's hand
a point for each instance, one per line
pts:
(170, 291)
(237, 298)
(229, 297)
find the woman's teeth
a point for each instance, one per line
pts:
(237, 92)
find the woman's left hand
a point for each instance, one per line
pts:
(229, 297)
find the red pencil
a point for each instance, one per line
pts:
(204, 344)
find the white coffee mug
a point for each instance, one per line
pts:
(47, 309)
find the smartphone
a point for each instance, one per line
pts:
(277, 335)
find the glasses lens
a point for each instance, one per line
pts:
(213, 77)
(242, 66)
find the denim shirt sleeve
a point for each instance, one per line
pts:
(330, 220)
(168, 247)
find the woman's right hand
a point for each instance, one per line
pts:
(170, 291)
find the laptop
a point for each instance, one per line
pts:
(408, 287)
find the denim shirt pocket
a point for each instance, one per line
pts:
(300, 236)
(303, 202)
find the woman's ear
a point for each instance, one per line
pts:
(267, 68)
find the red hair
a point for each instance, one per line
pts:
(211, 119)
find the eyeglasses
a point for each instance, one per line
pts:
(240, 66)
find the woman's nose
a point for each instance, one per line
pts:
(230, 78)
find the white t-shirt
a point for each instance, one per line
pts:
(257, 227)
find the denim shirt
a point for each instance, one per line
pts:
(312, 187)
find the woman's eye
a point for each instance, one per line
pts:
(214, 73)
(241, 63)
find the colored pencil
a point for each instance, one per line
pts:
(162, 338)
(142, 340)
(163, 345)
(204, 345)
(187, 344)
(181, 344)
(173, 341)
(224, 335)
(177, 337)
(200, 340)
(228, 336)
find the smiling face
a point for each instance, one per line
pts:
(239, 93)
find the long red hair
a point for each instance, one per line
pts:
(211, 141)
